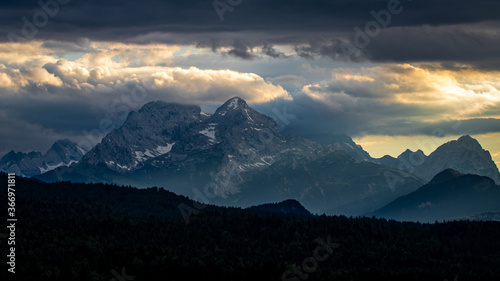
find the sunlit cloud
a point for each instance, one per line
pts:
(58, 89)
(434, 94)
(108, 67)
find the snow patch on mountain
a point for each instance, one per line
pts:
(112, 164)
(81, 150)
(142, 156)
(248, 115)
(209, 132)
(165, 149)
(49, 167)
(233, 104)
(139, 156)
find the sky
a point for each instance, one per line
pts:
(391, 74)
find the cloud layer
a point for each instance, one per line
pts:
(402, 31)
(364, 67)
(399, 99)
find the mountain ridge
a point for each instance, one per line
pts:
(220, 153)
(62, 153)
(238, 156)
(465, 155)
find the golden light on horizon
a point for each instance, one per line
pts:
(378, 146)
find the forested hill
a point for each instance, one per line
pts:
(101, 232)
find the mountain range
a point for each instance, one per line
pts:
(62, 153)
(237, 156)
(465, 155)
(228, 155)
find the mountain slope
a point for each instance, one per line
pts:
(150, 132)
(464, 155)
(334, 184)
(216, 148)
(346, 144)
(62, 153)
(405, 161)
(447, 196)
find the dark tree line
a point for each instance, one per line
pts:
(82, 232)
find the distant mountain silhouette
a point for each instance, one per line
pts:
(286, 207)
(464, 155)
(449, 195)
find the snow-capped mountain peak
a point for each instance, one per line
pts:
(170, 134)
(231, 106)
(152, 131)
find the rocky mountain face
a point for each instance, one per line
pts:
(62, 153)
(334, 183)
(333, 142)
(449, 195)
(177, 140)
(464, 155)
(406, 161)
(346, 144)
(150, 132)
(235, 156)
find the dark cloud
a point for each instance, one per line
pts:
(424, 30)
(449, 44)
(306, 52)
(240, 50)
(82, 45)
(473, 126)
(270, 51)
(288, 80)
(27, 137)
(211, 43)
(310, 118)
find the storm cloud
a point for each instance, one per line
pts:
(421, 30)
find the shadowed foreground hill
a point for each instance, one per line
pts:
(449, 195)
(94, 232)
(286, 207)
